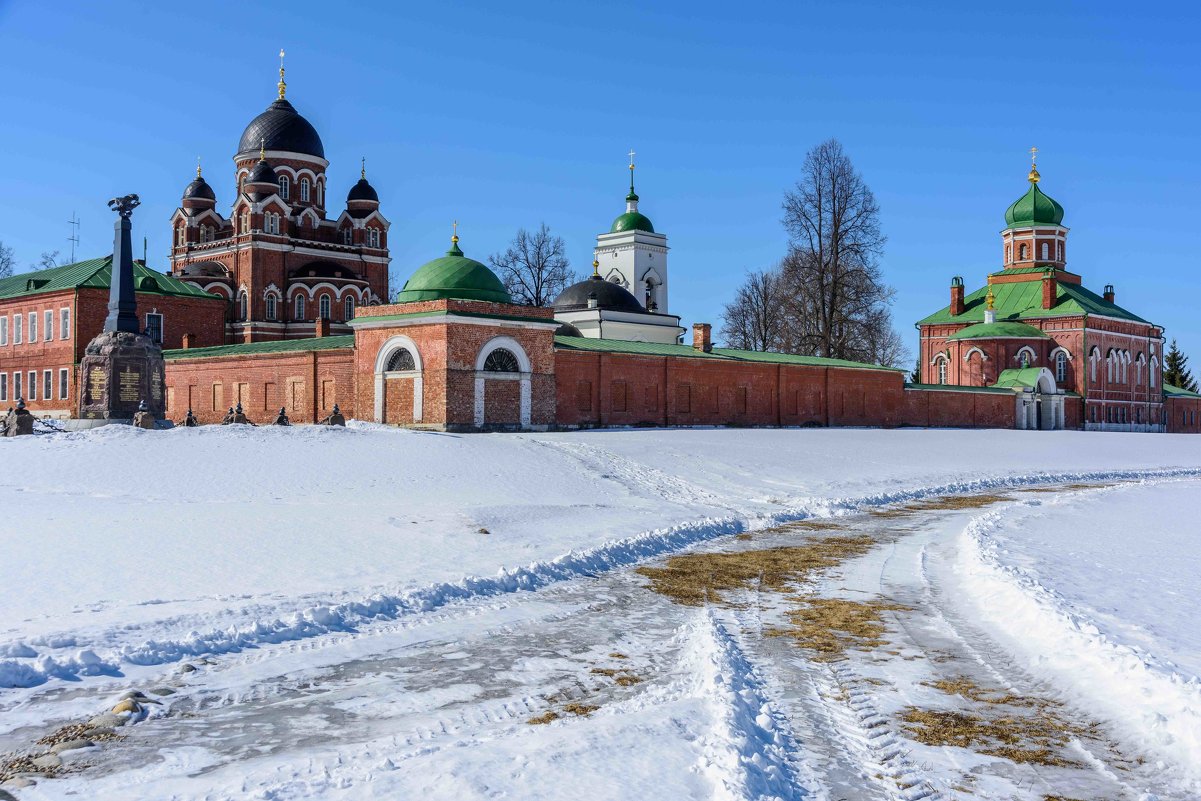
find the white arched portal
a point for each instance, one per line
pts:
(522, 375)
(382, 374)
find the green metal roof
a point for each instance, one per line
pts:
(958, 388)
(454, 276)
(1019, 377)
(1033, 208)
(1001, 329)
(1024, 299)
(687, 351)
(791, 358)
(632, 221)
(253, 348)
(96, 274)
(363, 320)
(1179, 392)
(629, 346)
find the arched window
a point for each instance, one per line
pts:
(1025, 359)
(246, 222)
(1109, 367)
(319, 193)
(942, 370)
(501, 361)
(1093, 358)
(348, 308)
(284, 186)
(1008, 253)
(304, 189)
(271, 301)
(299, 307)
(1152, 370)
(1023, 251)
(323, 307)
(1046, 250)
(183, 236)
(242, 306)
(271, 223)
(1061, 367)
(373, 237)
(1059, 251)
(347, 236)
(400, 361)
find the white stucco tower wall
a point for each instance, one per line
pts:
(633, 255)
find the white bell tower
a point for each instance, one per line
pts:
(633, 255)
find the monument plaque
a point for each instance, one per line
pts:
(123, 366)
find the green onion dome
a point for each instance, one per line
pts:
(632, 221)
(1033, 208)
(454, 276)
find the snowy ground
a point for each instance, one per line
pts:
(377, 613)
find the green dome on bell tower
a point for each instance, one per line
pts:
(632, 219)
(1034, 207)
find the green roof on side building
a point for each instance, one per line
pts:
(1019, 377)
(258, 348)
(96, 274)
(687, 351)
(1001, 329)
(1179, 392)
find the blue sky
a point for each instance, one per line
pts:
(508, 115)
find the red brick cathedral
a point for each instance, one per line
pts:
(1036, 327)
(282, 306)
(279, 259)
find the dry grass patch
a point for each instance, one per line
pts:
(618, 655)
(743, 537)
(812, 525)
(690, 579)
(628, 680)
(953, 502)
(966, 688)
(829, 626)
(545, 717)
(582, 710)
(1032, 739)
(889, 514)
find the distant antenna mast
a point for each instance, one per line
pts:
(144, 262)
(74, 237)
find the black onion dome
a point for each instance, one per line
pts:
(609, 296)
(363, 191)
(280, 127)
(263, 173)
(568, 330)
(199, 189)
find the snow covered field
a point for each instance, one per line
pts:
(292, 565)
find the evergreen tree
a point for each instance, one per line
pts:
(1175, 369)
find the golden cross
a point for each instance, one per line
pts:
(631, 155)
(281, 58)
(455, 237)
(1033, 155)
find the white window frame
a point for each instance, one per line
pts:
(304, 189)
(64, 323)
(17, 394)
(1046, 251)
(18, 329)
(161, 324)
(324, 307)
(4, 330)
(182, 236)
(1061, 367)
(348, 308)
(246, 222)
(243, 306)
(31, 386)
(47, 385)
(272, 303)
(372, 237)
(64, 383)
(48, 325)
(3, 386)
(285, 186)
(298, 308)
(33, 327)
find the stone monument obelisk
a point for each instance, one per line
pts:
(122, 367)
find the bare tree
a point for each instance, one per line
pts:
(839, 301)
(534, 268)
(47, 260)
(756, 319)
(7, 261)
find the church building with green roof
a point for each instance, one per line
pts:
(1076, 358)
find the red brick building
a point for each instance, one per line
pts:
(1075, 358)
(279, 260)
(48, 317)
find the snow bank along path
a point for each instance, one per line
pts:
(1042, 609)
(31, 668)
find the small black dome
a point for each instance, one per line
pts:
(199, 189)
(568, 330)
(281, 128)
(609, 296)
(262, 173)
(362, 191)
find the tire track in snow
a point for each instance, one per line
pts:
(78, 660)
